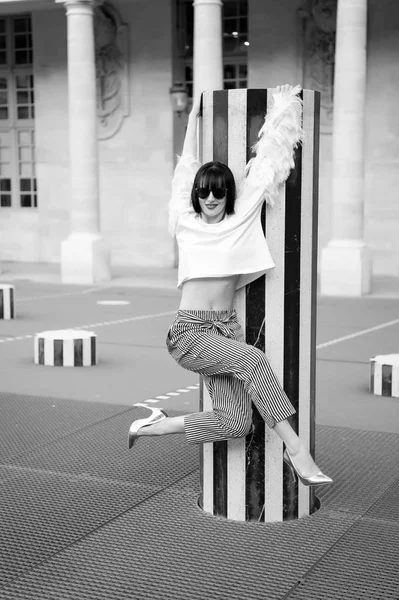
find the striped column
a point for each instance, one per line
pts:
(246, 479)
(7, 310)
(384, 375)
(65, 348)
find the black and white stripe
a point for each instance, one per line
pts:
(236, 375)
(384, 375)
(65, 348)
(7, 310)
(279, 313)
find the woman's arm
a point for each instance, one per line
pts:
(185, 170)
(190, 139)
(279, 136)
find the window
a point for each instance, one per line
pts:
(22, 40)
(235, 42)
(235, 27)
(235, 76)
(18, 187)
(26, 171)
(5, 168)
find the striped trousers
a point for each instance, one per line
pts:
(236, 374)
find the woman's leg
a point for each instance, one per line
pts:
(231, 416)
(215, 354)
(201, 427)
(296, 448)
(169, 425)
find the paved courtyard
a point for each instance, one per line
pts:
(82, 517)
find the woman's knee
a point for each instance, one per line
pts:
(240, 428)
(244, 429)
(255, 358)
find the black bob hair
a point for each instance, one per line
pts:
(215, 174)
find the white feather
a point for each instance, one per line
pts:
(279, 136)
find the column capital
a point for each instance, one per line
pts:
(199, 2)
(80, 3)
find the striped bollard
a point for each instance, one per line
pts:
(65, 348)
(384, 375)
(246, 479)
(7, 309)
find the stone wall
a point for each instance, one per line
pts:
(276, 55)
(51, 126)
(135, 164)
(382, 137)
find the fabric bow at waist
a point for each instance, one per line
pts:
(216, 321)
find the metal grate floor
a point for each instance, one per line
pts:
(363, 564)
(28, 422)
(84, 518)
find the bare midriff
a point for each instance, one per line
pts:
(209, 293)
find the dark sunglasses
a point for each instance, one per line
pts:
(218, 192)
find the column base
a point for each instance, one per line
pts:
(84, 259)
(345, 269)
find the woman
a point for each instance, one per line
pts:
(222, 248)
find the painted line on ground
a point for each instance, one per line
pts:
(168, 395)
(357, 334)
(113, 302)
(61, 295)
(104, 323)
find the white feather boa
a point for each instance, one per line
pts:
(279, 136)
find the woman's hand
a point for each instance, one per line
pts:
(196, 107)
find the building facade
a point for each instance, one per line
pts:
(141, 48)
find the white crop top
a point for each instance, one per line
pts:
(237, 245)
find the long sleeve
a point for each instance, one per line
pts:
(185, 170)
(182, 183)
(274, 151)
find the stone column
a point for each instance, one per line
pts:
(345, 262)
(84, 255)
(208, 49)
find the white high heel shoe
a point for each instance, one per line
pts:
(157, 414)
(318, 479)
